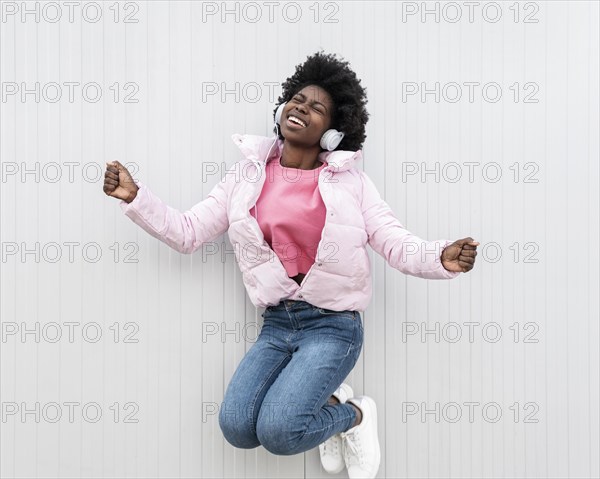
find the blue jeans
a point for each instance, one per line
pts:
(278, 395)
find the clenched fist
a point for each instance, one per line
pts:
(460, 255)
(119, 183)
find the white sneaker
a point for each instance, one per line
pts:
(361, 444)
(332, 455)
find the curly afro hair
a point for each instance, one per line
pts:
(349, 97)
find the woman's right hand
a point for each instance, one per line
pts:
(119, 183)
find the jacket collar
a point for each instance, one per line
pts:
(256, 148)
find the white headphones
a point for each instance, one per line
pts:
(330, 139)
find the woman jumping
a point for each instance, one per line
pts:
(299, 215)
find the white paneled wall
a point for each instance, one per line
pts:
(116, 350)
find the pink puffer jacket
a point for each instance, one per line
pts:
(340, 278)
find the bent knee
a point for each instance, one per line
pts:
(237, 429)
(277, 437)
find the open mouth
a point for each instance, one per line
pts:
(295, 122)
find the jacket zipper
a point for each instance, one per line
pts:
(260, 233)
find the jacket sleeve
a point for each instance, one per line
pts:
(399, 247)
(184, 232)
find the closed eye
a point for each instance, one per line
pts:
(315, 106)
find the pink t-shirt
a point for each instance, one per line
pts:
(291, 214)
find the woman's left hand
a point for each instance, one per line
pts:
(460, 255)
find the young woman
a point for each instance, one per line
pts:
(299, 215)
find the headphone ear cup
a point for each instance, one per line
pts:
(279, 112)
(331, 139)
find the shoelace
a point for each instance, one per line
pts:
(331, 447)
(352, 449)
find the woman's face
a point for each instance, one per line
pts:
(313, 107)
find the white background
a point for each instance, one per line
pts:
(536, 273)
